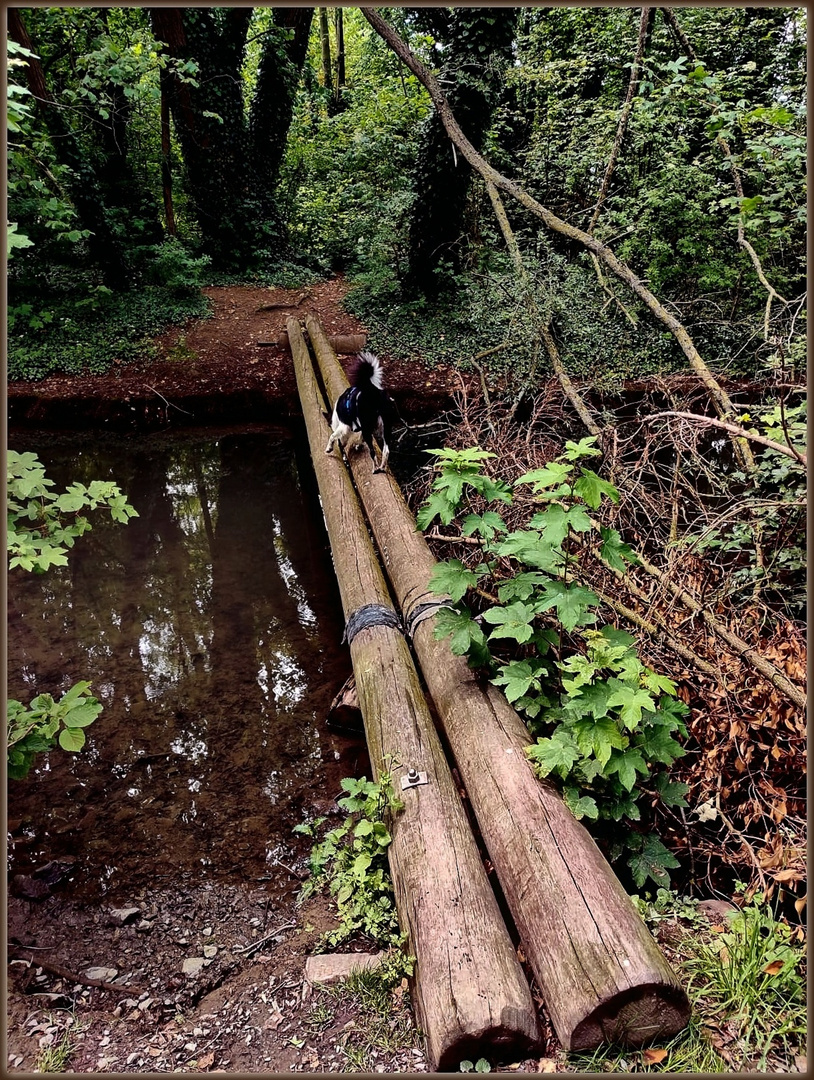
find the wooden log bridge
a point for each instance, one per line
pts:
(601, 974)
(470, 991)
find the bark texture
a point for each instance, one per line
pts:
(601, 974)
(470, 991)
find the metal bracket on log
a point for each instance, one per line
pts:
(413, 778)
(601, 974)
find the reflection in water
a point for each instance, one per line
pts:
(209, 627)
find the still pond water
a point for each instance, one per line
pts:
(209, 627)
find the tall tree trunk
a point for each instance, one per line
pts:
(272, 107)
(339, 26)
(325, 42)
(479, 40)
(84, 188)
(233, 204)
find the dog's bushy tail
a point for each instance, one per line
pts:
(367, 368)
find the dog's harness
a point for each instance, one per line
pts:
(347, 410)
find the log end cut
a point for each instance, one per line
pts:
(512, 1037)
(634, 1018)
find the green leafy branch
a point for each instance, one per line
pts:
(607, 725)
(42, 524)
(45, 721)
(351, 860)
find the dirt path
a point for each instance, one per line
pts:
(216, 369)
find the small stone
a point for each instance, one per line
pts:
(193, 965)
(120, 916)
(209, 951)
(329, 968)
(105, 974)
(207, 931)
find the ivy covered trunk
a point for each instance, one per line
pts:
(278, 72)
(231, 184)
(479, 45)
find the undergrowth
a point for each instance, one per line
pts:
(607, 725)
(92, 331)
(351, 862)
(745, 976)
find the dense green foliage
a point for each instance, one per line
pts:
(607, 725)
(707, 194)
(351, 861)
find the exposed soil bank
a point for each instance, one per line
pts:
(216, 370)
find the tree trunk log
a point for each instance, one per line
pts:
(470, 991)
(600, 972)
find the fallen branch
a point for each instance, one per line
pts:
(720, 398)
(71, 976)
(734, 429)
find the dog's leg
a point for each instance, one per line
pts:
(339, 434)
(382, 434)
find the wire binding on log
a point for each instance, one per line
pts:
(419, 612)
(370, 615)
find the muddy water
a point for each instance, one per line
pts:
(209, 627)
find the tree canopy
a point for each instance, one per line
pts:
(144, 140)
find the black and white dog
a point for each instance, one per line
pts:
(364, 407)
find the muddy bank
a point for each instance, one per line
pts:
(226, 369)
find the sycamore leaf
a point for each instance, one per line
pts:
(467, 637)
(518, 677)
(598, 738)
(528, 547)
(626, 764)
(550, 475)
(584, 448)
(659, 684)
(580, 805)
(451, 577)
(513, 621)
(652, 861)
(490, 489)
(572, 603)
(557, 754)
(657, 744)
(614, 551)
(671, 792)
(591, 488)
(631, 702)
(438, 505)
(486, 524)
(520, 587)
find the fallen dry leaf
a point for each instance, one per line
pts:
(546, 1065)
(774, 968)
(653, 1057)
(205, 1061)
